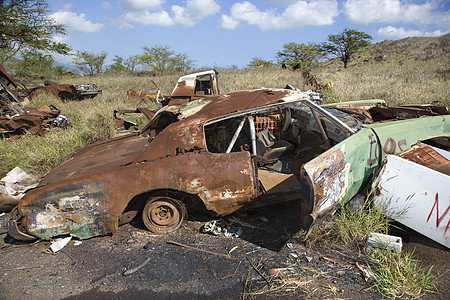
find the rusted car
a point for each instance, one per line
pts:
(219, 153)
(66, 92)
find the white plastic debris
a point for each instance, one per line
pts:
(221, 227)
(379, 240)
(295, 254)
(16, 182)
(13, 186)
(59, 243)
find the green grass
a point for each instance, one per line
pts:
(398, 275)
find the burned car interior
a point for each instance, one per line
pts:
(281, 137)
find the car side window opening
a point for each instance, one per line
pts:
(284, 137)
(204, 85)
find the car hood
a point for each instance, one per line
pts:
(98, 158)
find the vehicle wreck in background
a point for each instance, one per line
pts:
(221, 154)
(15, 118)
(188, 87)
(66, 92)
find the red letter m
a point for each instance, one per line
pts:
(439, 219)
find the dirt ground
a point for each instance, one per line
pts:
(228, 268)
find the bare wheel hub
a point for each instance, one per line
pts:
(163, 214)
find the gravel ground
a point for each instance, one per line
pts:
(217, 267)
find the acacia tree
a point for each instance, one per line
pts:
(24, 24)
(299, 56)
(161, 59)
(257, 62)
(90, 63)
(123, 65)
(34, 63)
(345, 44)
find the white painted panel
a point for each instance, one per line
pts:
(416, 196)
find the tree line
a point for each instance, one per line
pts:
(26, 44)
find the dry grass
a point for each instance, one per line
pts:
(396, 80)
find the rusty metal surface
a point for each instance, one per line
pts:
(66, 91)
(60, 91)
(426, 156)
(91, 205)
(371, 111)
(97, 184)
(7, 81)
(144, 97)
(34, 121)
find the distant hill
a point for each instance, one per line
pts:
(412, 48)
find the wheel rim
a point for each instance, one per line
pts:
(163, 214)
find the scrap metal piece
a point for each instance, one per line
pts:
(413, 188)
(384, 241)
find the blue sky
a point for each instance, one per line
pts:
(224, 33)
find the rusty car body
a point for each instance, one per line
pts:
(66, 92)
(221, 153)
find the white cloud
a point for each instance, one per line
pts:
(281, 1)
(76, 22)
(297, 15)
(193, 13)
(139, 5)
(228, 22)
(106, 5)
(145, 17)
(388, 11)
(391, 32)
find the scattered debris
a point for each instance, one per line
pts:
(222, 227)
(384, 241)
(59, 243)
(330, 260)
(232, 249)
(31, 267)
(144, 97)
(198, 249)
(368, 276)
(13, 186)
(257, 270)
(413, 188)
(134, 270)
(295, 254)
